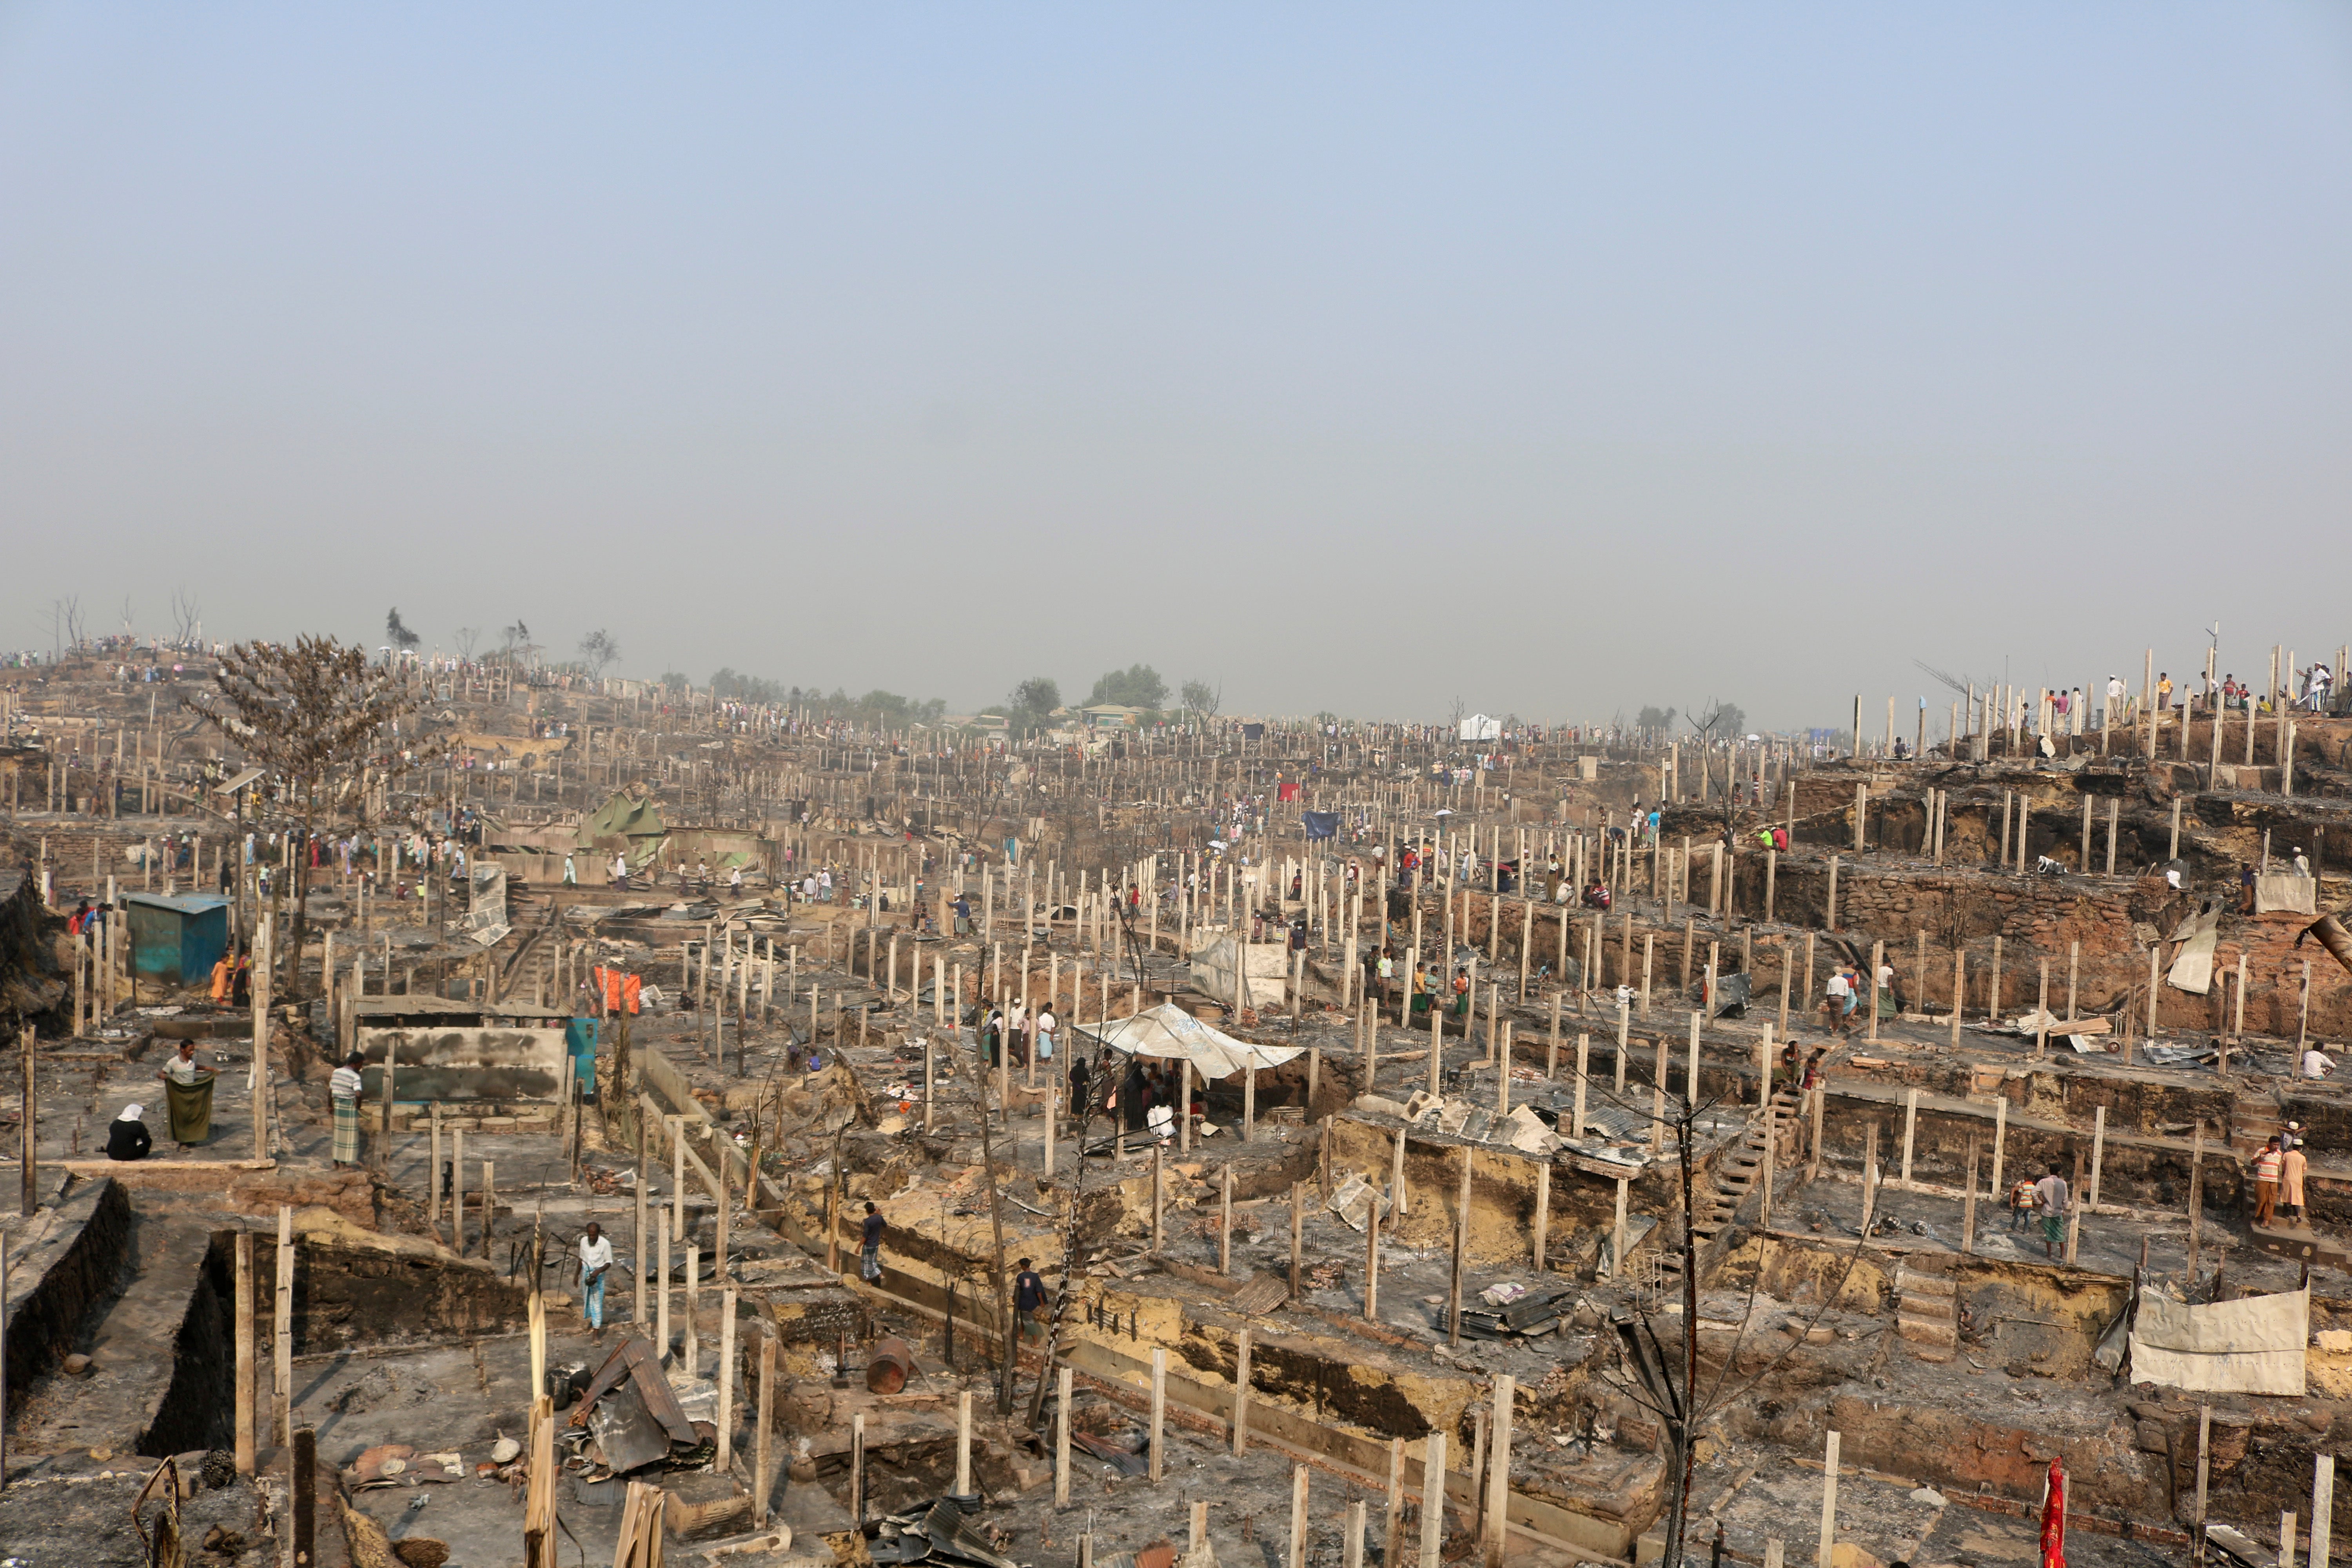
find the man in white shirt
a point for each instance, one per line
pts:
(1841, 995)
(183, 1069)
(595, 1260)
(2316, 1063)
(1045, 1027)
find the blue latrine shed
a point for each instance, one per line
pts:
(176, 938)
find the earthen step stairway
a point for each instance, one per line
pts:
(1928, 1312)
(1735, 1177)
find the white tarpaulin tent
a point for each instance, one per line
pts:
(2254, 1345)
(1479, 727)
(1169, 1032)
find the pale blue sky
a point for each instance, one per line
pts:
(1563, 358)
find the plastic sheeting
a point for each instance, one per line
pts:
(2254, 1345)
(2192, 967)
(1267, 966)
(2284, 890)
(1169, 1032)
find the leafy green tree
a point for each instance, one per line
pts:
(1136, 686)
(1201, 698)
(1030, 705)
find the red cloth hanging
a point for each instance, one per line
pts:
(2054, 1519)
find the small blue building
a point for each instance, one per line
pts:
(176, 938)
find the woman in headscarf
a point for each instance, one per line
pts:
(126, 1137)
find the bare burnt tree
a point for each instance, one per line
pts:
(185, 613)
(597, 650)
(65, 625)
(1717, 721)
(466, 638)
(314, 713)
(1671, 1391)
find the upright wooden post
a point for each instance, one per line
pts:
(762, 1470)
(1433, 1498)
(1241, 1392)
(964, 1443)
(2322, 1507)
(1910, 1125)
(1393, 1515)
(1543, 1212)
(1158, 1412)
(1225, 1219)
(1461, 1247)
(2195, 1195)
(1062, 1378)
(1297, 1236)
(726, 1378)
(246, 1369)
(1498, 1469)
(2204, 1471)
(281, 1370)
(2099, 1150)
(1298, 1554)
(1829, 1504)
(661, 1285)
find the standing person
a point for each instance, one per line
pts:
(595, 1260)
(343, 1091)
(571, 872)
(2054, 1202)
(1029, 1301)
(2267, 1165)
(2020, 1204)
(869, 1251)
(991, 1037)
(2293, 1164)
(1839, 1001)
(1079, 1079)
(1045, 1027)
(188, 1096)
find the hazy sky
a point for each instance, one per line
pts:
(1560, 359)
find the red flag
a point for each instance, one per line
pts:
(2054, 1519)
